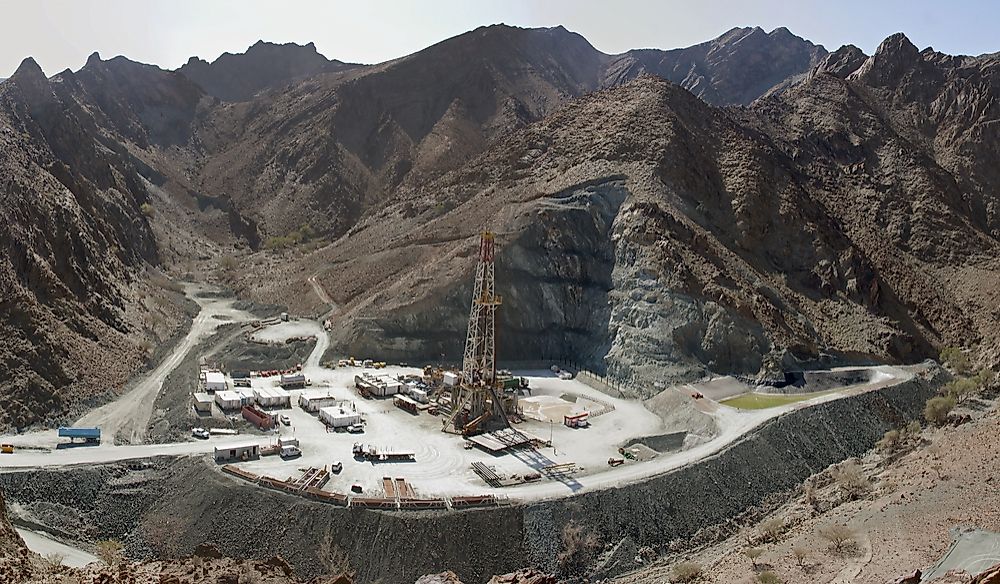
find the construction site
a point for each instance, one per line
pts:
(257, 422)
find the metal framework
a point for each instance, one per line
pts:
(477, 395)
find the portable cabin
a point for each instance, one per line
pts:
(313, 401)
(228, 400)
(215, 381)
(202, 403)
(294, 380)
(245, 451)
(338, 416)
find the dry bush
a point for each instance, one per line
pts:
(851, 479)
(936, 409)
(768, 578)
(753, 553)
(54, 561)
(838, 535)
(110, 551)
(686, 572)
(579, 549)
(889, 442)
(772, 529)
(956, 359)
(800, 554)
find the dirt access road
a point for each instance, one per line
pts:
(127, 418)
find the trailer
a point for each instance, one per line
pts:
(259, 418)
(88, 435)
(293, 381)
(374, 454)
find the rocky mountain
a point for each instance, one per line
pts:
(76, 241)
(847, 213)
(263, 66)
(325, 151)
(843, 219)
(733, 69)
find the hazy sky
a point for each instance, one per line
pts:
(62, 33)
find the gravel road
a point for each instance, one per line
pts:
(127, 418)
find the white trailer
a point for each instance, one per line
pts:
(294, 380)
(202, 403)
(312, 401)
(228, 400)
(272, 397)
(450, 378)
(215, 381)
(339, 417)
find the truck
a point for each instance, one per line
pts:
(88, 435)
(290, 451)
(369, 452)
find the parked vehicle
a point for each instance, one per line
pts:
(356, 428)
(200, 433)
(290, 451)
(285, 420)
(6, 449)
(337, 467)
(88, 435)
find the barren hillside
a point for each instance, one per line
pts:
(847, 214)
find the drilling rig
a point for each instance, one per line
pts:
(478, 401)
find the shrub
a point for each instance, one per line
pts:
(936, 409)
(800, 554)
(109, 551)
(753, 553)
(228, 263)
(962, 388)
(838, 535)
(768, 578)
(146, 209)
(956, 359)
(579, 549)
(303, 234)
(772, 529)
(889, 442)
(686, 572)
(851, 479)
(54, 560)
(913, 429)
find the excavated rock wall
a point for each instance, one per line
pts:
(167, 507)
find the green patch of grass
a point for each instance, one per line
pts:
(761, 401)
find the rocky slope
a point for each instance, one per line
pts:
(262, 67)
(846, 214)
(650, 235)
(77, 314)
(733, 69)
(902, 507)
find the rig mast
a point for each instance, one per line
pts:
(478, 398)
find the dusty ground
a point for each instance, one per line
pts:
(917, 496)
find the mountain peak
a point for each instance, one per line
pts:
(842, 62)
(94, 58)
(28, 70)
(892, 59)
